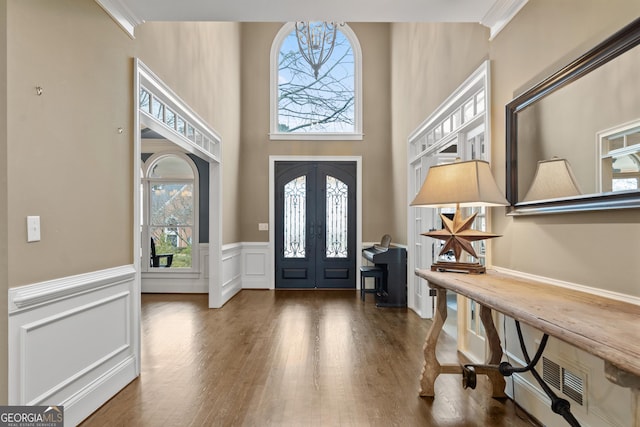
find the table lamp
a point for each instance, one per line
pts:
(459, 184)
(553, 179)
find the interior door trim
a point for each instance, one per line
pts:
(272, 162)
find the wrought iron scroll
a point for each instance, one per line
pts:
(336, 219)
(295, 216)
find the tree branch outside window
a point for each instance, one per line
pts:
(307, 104)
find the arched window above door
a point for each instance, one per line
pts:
(304, 107)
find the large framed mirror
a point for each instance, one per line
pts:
(587, 113)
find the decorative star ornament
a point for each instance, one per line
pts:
(457, 235)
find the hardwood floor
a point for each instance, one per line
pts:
(291, 358)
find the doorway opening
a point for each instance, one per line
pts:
(172, 131)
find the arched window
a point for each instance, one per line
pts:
(328, 107)
(170, 211)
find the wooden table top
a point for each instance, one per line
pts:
(604, 327)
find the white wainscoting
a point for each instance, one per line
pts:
(175, 281)
(73, 341)
(256, 267)
(245, 265)
(231, 270)
(605, 404)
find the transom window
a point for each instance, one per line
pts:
(162, 113)
(324, 108)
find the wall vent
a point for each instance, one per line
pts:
(569, 382)
(573, 386)
(551, 372)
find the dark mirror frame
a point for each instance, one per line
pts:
(614, 46)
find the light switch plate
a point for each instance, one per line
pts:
(263, 226)
(33, 229)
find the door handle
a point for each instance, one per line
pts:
(319, 232)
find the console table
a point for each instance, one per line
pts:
(604, 327)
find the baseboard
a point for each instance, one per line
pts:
(229, 292)
(86, 401)
(173, 283)
(530, 398)
(168, 281)
(569, 285)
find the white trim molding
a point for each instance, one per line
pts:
(209, 150)
(31, 296)
(496, 18)
(500, 14)
(256, 268)
(569, 285)
(424, 149)
(72, 340)
(207, 146)
(324, 136)
(148, 182)
(231, 277)
(121, 14)
(245, 266)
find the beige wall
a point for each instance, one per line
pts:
(597, 249)
(65, 159)
(429, 61)
(378, 215)
(201, 63)
(4, 265)
(68, 162)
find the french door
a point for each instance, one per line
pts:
(315, 226)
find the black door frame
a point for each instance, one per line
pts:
(272, 162)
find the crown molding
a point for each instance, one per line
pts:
(500, 14)
(120, 13)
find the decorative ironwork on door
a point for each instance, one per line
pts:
(295, 209)
(337, 218)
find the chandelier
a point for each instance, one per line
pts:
(316, 41)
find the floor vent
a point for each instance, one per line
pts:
(569, 382)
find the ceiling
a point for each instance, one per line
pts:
(494, 14)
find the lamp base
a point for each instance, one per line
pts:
(459, 267)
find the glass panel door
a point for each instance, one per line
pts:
(315, 225)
